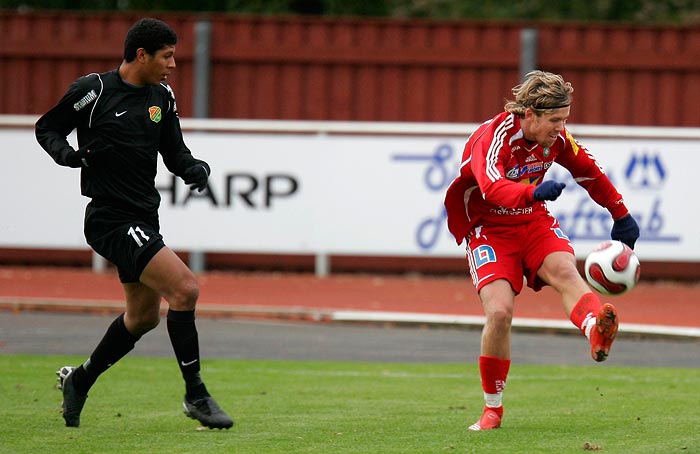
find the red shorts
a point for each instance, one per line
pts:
(511, 252)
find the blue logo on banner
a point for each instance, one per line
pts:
(645, 172)
(439, 172)
(586, 220)
(582, 219)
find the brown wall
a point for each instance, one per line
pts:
(368, 70)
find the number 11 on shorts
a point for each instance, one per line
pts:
(133, 232)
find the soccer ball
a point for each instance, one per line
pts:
(612, 268)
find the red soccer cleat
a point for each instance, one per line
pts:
(604, 332)
(491, 419)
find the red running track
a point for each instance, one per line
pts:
(658, 303)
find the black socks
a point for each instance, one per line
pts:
(185, 341)
(118, 341)
(115, 344)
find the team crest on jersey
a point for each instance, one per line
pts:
(155, 114)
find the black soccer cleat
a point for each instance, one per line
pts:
(72, 401)
(207, 412)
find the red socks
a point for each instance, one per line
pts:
(494, 372)
(585, 310)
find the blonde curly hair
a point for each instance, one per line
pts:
(540, 92)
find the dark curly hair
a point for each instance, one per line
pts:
(149, 34)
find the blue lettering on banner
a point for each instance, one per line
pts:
(439, 172)
(428, 231)
(437, 175)
(483, 254)
(584, 219)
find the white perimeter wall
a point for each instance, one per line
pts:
(350, 188)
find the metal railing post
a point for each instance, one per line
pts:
(528, 51)
(200, 103)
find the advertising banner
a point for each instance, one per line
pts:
(360, 194)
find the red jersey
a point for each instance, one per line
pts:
(500, 170)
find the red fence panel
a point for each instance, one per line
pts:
(42, 53)
(295, 68)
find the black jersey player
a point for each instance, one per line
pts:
(124, 118)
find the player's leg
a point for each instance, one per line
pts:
(171, 278)
(559, 271)
(551, 260)
(105, 229)
(168, 276)
(597, 321)
(142, 308)
(141, 315)
(497, 299)
(497, 274)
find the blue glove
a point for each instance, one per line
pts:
(626, 230)
(549, 190)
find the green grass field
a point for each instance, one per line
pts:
(347, 407)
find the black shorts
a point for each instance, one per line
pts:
(126, 239)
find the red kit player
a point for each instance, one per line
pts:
(497, 204)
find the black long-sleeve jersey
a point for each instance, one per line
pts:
(138, 122)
